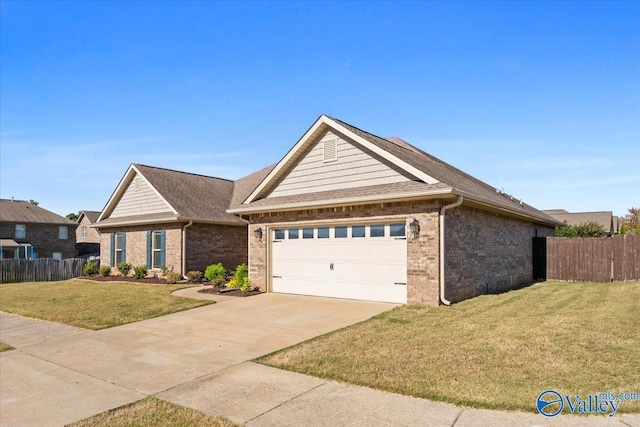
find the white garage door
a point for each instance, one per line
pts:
(367, 262)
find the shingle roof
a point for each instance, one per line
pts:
(244, 186)
(92, 216)
(195, 197)
(604, 218)
(23, 211)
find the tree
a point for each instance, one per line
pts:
(73, 216)
(631, 221)
(33, 202)
(586, 229)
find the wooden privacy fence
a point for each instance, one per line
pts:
(593, 259)
(40, 270)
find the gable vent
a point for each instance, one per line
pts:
(330, 150)
(137, 183)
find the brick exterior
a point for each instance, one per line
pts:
(487, 252)
(483, 251)
(212, 243)
(93, 236)
(423, 259)
(44, 238)
(206, 244)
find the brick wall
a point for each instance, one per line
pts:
(212, 243)
(487, 252)
(422, 253)
(93, 236)
(44, 238)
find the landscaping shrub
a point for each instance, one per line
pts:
(241, 279)
(194, 276)
(105, 270)
(164, 269)
(173, 277)
(90, 268)
(140, 272)
(219, 283)
(215, 271)
(124, 268)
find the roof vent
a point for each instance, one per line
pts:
(330, 150)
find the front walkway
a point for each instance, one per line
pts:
(199, 358)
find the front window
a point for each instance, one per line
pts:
(21, 231)
(157, 250)
(63, 232)
(85, 230)
(57, 255)
(119, 248)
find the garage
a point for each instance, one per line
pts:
(354, 261)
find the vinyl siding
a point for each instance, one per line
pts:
(139, 202)
(353, 168)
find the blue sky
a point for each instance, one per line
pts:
(539, 98)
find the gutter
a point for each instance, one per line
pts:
(184, 249)
(443, 209)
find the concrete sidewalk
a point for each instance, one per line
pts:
(199, 358)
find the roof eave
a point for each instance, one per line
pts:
(166, 220)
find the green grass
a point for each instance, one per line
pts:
(5, 347)
(494, 351)
(92, 305)
(153, 412)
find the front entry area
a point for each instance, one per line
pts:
(354, 261)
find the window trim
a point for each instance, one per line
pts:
(24, 231)
(85, 231)
(65, 235)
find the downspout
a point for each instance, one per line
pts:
(184, 249)
(458, 202)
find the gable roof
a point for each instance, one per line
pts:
(427, 168)
(190, 197)
(27, 212)
(604, 218)
(92, 216)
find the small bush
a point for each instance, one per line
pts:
(218, 283)
(215, 271)
(105, 270)
(247, 286)
(140, 272)
(194, 276)
(242, 273)
(173, 277)
(124, 268)
(90, 268)
(164, 269)
(233, 284)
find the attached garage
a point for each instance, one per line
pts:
(355, 261)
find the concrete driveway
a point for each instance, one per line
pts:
(59, 374)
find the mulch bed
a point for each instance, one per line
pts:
(233, 293)
(150, 280)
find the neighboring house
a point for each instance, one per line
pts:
(159, 217)
(348, 214)
(28, 231)
(605, 218)
(87, 237)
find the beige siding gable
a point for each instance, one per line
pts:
(336, 167)
(139, 199)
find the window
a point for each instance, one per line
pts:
(156, 243)
(323, 232)
(397, 230)
(357, 231)
(376, 230)
(330, 147)
(85, 230)
(57, 255)
(63, 232)
(293, 233)
(341, 232)
(278, 234)
(118, 248)
(307, 233)
(21, 231)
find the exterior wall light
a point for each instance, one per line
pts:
(258, 233)
(414, 227)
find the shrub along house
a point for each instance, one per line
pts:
(159, 217)
(348, 214)
(28, 231)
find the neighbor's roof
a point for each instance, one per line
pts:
(92, 216)
(23, 211)
(437, 176)
(604, 218)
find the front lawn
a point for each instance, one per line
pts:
(153, 412)
(494, 351)
(92, 305)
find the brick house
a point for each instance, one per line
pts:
(348, 214)
(28, 231)
(606, 219)
(159, 217)
(87, 237)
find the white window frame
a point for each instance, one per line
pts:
(156, 252)
(23, 229)
(118, 250)
(85, 231)
(63, 232)
(57, 255)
